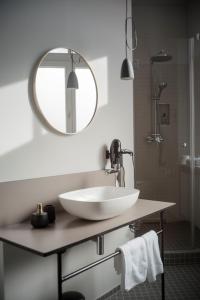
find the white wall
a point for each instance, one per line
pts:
(28, 29)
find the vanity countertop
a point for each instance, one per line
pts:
(69, 231)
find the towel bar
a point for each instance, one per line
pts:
(94, 264)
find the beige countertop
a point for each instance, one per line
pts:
(69, 230)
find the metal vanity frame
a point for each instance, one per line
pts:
(62, 278)
(62, 236)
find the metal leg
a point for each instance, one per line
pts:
(162, 254)
(100, 244)
(59, 275)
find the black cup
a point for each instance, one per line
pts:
(50, 209)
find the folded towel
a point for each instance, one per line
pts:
(132, 263)
(155, 265)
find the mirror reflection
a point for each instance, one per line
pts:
(65, 91)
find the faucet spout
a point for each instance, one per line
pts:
(126, 151)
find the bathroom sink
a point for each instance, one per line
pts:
(99, 203)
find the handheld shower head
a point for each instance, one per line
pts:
(158, 91)
(161, 87)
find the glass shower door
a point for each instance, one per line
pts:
(194, 132)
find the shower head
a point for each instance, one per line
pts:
(162, 56)
(161, 87)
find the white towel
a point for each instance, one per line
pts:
(132, 263)
(155, 265)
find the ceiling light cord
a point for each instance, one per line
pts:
(133, 48)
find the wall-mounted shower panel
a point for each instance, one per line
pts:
(164, 114)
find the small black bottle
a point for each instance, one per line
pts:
(39, 219)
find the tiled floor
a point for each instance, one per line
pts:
(182, 283)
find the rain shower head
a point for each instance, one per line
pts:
(162, 56)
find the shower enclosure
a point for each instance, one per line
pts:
(168, 153)
(189, 146)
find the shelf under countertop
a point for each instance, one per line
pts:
(69, 231)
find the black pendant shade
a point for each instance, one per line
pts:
(72, 82)
(127, 70)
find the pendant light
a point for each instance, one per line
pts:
(127, 72)
(72, 82)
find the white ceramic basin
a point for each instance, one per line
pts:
(99, 203)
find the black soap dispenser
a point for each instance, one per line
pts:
(39, 219)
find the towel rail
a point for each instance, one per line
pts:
(90, 266)
(94, 264)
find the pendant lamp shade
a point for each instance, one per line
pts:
(127, 70)
(72, 82)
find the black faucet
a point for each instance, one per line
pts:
(116, 159)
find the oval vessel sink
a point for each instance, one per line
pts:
(99, 203)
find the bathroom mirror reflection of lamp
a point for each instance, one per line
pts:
(66, 105)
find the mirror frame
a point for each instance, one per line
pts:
(38, 110)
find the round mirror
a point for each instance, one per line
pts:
(65, 91)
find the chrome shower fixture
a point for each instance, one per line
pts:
(162, 56)
(161, 87)
(158, 91)
(155, 136)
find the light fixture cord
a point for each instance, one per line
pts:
(126, 28)
(134, 34)
(72, 61)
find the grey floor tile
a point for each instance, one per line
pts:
(182, 283)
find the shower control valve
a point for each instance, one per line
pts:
(149, 139)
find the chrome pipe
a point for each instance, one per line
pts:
(90, 266)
